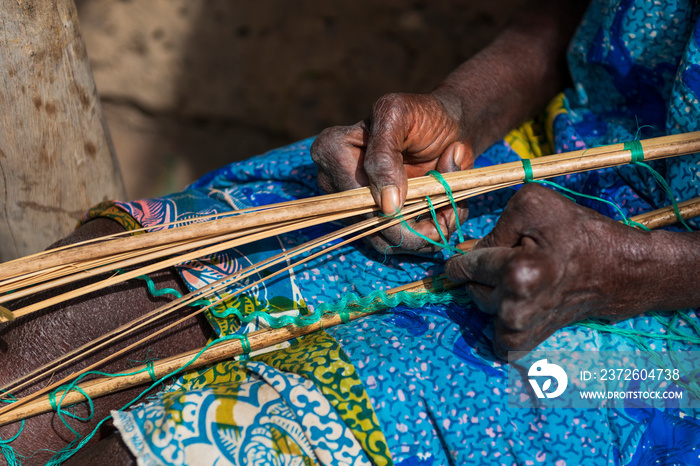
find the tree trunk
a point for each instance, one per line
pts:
(56, 155)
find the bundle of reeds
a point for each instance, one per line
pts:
(167, 245)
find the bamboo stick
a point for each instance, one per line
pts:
(543, 167)
(237, 241)
(265, 338)
(28, 398)
(259, 340)
(167, 309)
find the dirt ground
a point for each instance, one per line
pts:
(190, 85)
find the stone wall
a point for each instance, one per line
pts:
(189, 85)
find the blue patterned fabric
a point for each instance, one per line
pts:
(437, 389)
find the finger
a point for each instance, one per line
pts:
(484, 297)
(338, 153)
(455, 158)
(407, 240)
(383, 160)
(484, 266)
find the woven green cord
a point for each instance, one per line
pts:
(527, 168)
(344, 316)
(626, 220)
(636, 150)
(21, 426)
(78, 443)
(435, 221)
(662, 182)
(435, 243)
(637, 158)
(151, 371)
(448, 192)
(245, 344)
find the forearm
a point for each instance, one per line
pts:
(665, 274)
(514, 77)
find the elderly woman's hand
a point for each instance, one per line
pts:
(550, 262)
(406, 136)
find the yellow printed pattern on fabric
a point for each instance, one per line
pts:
(534, 138)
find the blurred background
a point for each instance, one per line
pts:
(190, 85)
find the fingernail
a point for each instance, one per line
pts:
(459, 155)
(390, 200)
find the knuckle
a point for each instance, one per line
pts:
(388, 109)
(524, 276)
(326, 144)
(530, 193)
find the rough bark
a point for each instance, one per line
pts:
(56, 155)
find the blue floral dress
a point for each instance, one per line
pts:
(422, 386)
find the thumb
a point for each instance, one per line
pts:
(383, 163)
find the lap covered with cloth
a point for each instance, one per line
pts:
(421, 386)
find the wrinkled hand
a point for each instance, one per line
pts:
(406, 136)
(548, 263)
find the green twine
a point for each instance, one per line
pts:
(527, 168)
(436, 284)
(637, 158)
(636, 150)
(378, 299)
(435, 220)
(151, 371)
(374, 301)
(78, 443)
(11, 399)
(447, 246)
(625, 220)
(165, 291)
(448, 192)
(245, 344)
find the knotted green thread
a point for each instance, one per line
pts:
(404, 223)
(448, 192)
(165, 291)
(625, 220)
(636, 150)
(445, 244)
(151, 370)
(527, 168)
(78, 443)
(662, 182)
(245, 344)
(435, 221)
(350, 302)
(637, 158)
(4, 443)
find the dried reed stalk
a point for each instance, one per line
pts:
(354, 202)
(30, 406)
(384, 222)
